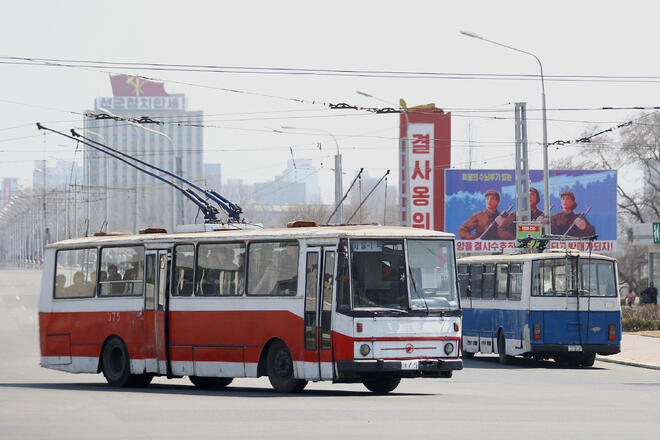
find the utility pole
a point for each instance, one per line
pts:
(523, 210)
(179, 200)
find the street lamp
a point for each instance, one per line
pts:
(546, 174)
(339, 216)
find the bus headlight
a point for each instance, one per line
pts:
(449, 348)
(365, 349)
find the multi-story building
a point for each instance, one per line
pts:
(64, 176)
(8, 188)
(169, 136)
(298, 185)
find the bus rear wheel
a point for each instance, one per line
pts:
(210, 383)
(587, 360)
(381, 385)
(501, 350)
(280, 370)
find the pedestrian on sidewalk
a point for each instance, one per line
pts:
(629, 299)
(649, 295)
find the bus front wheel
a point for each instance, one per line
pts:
(381, 385)
(280, 370)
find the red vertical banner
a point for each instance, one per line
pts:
(424, 154)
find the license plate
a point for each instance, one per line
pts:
(574, 348)
(410, 365)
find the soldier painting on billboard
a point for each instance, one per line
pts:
(507, 230)
(569, 223)
(483, 225)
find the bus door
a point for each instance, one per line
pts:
(319, 286)
(573, 309)
(157, 284)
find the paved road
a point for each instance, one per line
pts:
(486, 400)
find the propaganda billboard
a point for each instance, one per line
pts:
(424, 155)
(480, 208)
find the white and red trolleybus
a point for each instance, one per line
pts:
(366, 304)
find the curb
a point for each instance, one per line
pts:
(629, 363)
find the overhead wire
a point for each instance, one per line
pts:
(267, 70)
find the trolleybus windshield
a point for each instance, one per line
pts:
(381, 274)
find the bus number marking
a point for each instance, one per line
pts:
(113, 316)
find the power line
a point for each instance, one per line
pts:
(265, 70)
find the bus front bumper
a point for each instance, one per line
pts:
(602, 349)
(401, 368)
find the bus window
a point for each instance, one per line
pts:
(501, 280)
(464, 280)
(515, 282)
(378, 271)
(343, 277)
(273, 268)
(559, 277)
(488, 277)
(549, 277)
(431, 264)
(184, 258)
(122, 271)
(597, 278)
(537, 278)
(220, 269)
(75, 273)
(475, 280)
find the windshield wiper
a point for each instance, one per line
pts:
(386, 309)
(419, 295)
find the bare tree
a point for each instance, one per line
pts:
(637, 150)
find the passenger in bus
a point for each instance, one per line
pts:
(483, 225)
(130, 274)
(114, 276)
(90, 284)
(60, 290)
(507, 230)
(78, 287)
(568, 222)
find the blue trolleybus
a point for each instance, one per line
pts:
(554, 304)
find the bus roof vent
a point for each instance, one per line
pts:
(301, 224)
(153, 231)
(109, 234)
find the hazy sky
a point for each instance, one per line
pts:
(571, 38)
